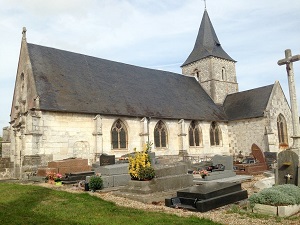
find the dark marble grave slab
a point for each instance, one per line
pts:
(70, 177)
(209, 190)
(207, 196)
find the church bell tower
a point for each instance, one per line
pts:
(210, 64)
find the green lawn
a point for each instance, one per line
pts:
(29, 204)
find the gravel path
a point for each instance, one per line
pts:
(220, 215)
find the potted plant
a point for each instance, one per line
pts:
(57, 179)
(140, 167)
(203, 173)
(53, 178)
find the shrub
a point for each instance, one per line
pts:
(146, 173)
(140, 166)
(286, 194)
(96, 183)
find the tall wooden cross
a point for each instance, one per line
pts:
(288, 61)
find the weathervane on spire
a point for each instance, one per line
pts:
(204, 4)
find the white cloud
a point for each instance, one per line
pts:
(157, 34)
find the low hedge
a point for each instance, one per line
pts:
(280, 195)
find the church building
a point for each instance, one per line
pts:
(67, 104)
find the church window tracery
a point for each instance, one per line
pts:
(160, 135)
(119, 135)
(215, 134)
(195, 134)
(282, 130)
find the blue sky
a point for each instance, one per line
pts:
(153, 34)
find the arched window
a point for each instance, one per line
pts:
(160, 135)
(282, 130)
(197, 74)
(195, 134)
(119, 135)
(224, 73)
(215, 134)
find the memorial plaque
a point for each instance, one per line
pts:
(107, 159)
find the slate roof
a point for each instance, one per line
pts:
(207, 43)
(247, 104)
(71, 82)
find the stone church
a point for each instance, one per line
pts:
(67, 104)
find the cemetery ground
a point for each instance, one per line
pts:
(44, 203)
(32, 204)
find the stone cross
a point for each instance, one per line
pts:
(288, 177)
(288, 61)
(204, 4)
(24, 33)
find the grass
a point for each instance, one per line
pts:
(29, 204)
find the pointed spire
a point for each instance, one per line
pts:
(207, 43)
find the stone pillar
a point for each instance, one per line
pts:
(98, 145)
(182, 135)
(144, 134)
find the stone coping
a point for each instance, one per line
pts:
(281, 211)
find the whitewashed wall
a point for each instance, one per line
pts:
(65, 135)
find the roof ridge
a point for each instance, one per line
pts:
(253, 89)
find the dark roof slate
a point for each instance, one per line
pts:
(247, 104)
(207, 43)
(71, 82)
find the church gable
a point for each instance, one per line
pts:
(71, 82)
(279, 127)
(25, 96)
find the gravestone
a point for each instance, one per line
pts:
(287, 169)
(106, 160)
(258, 154)
(226, 161)
(258, 166)
(271, 158)
(70, 165)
